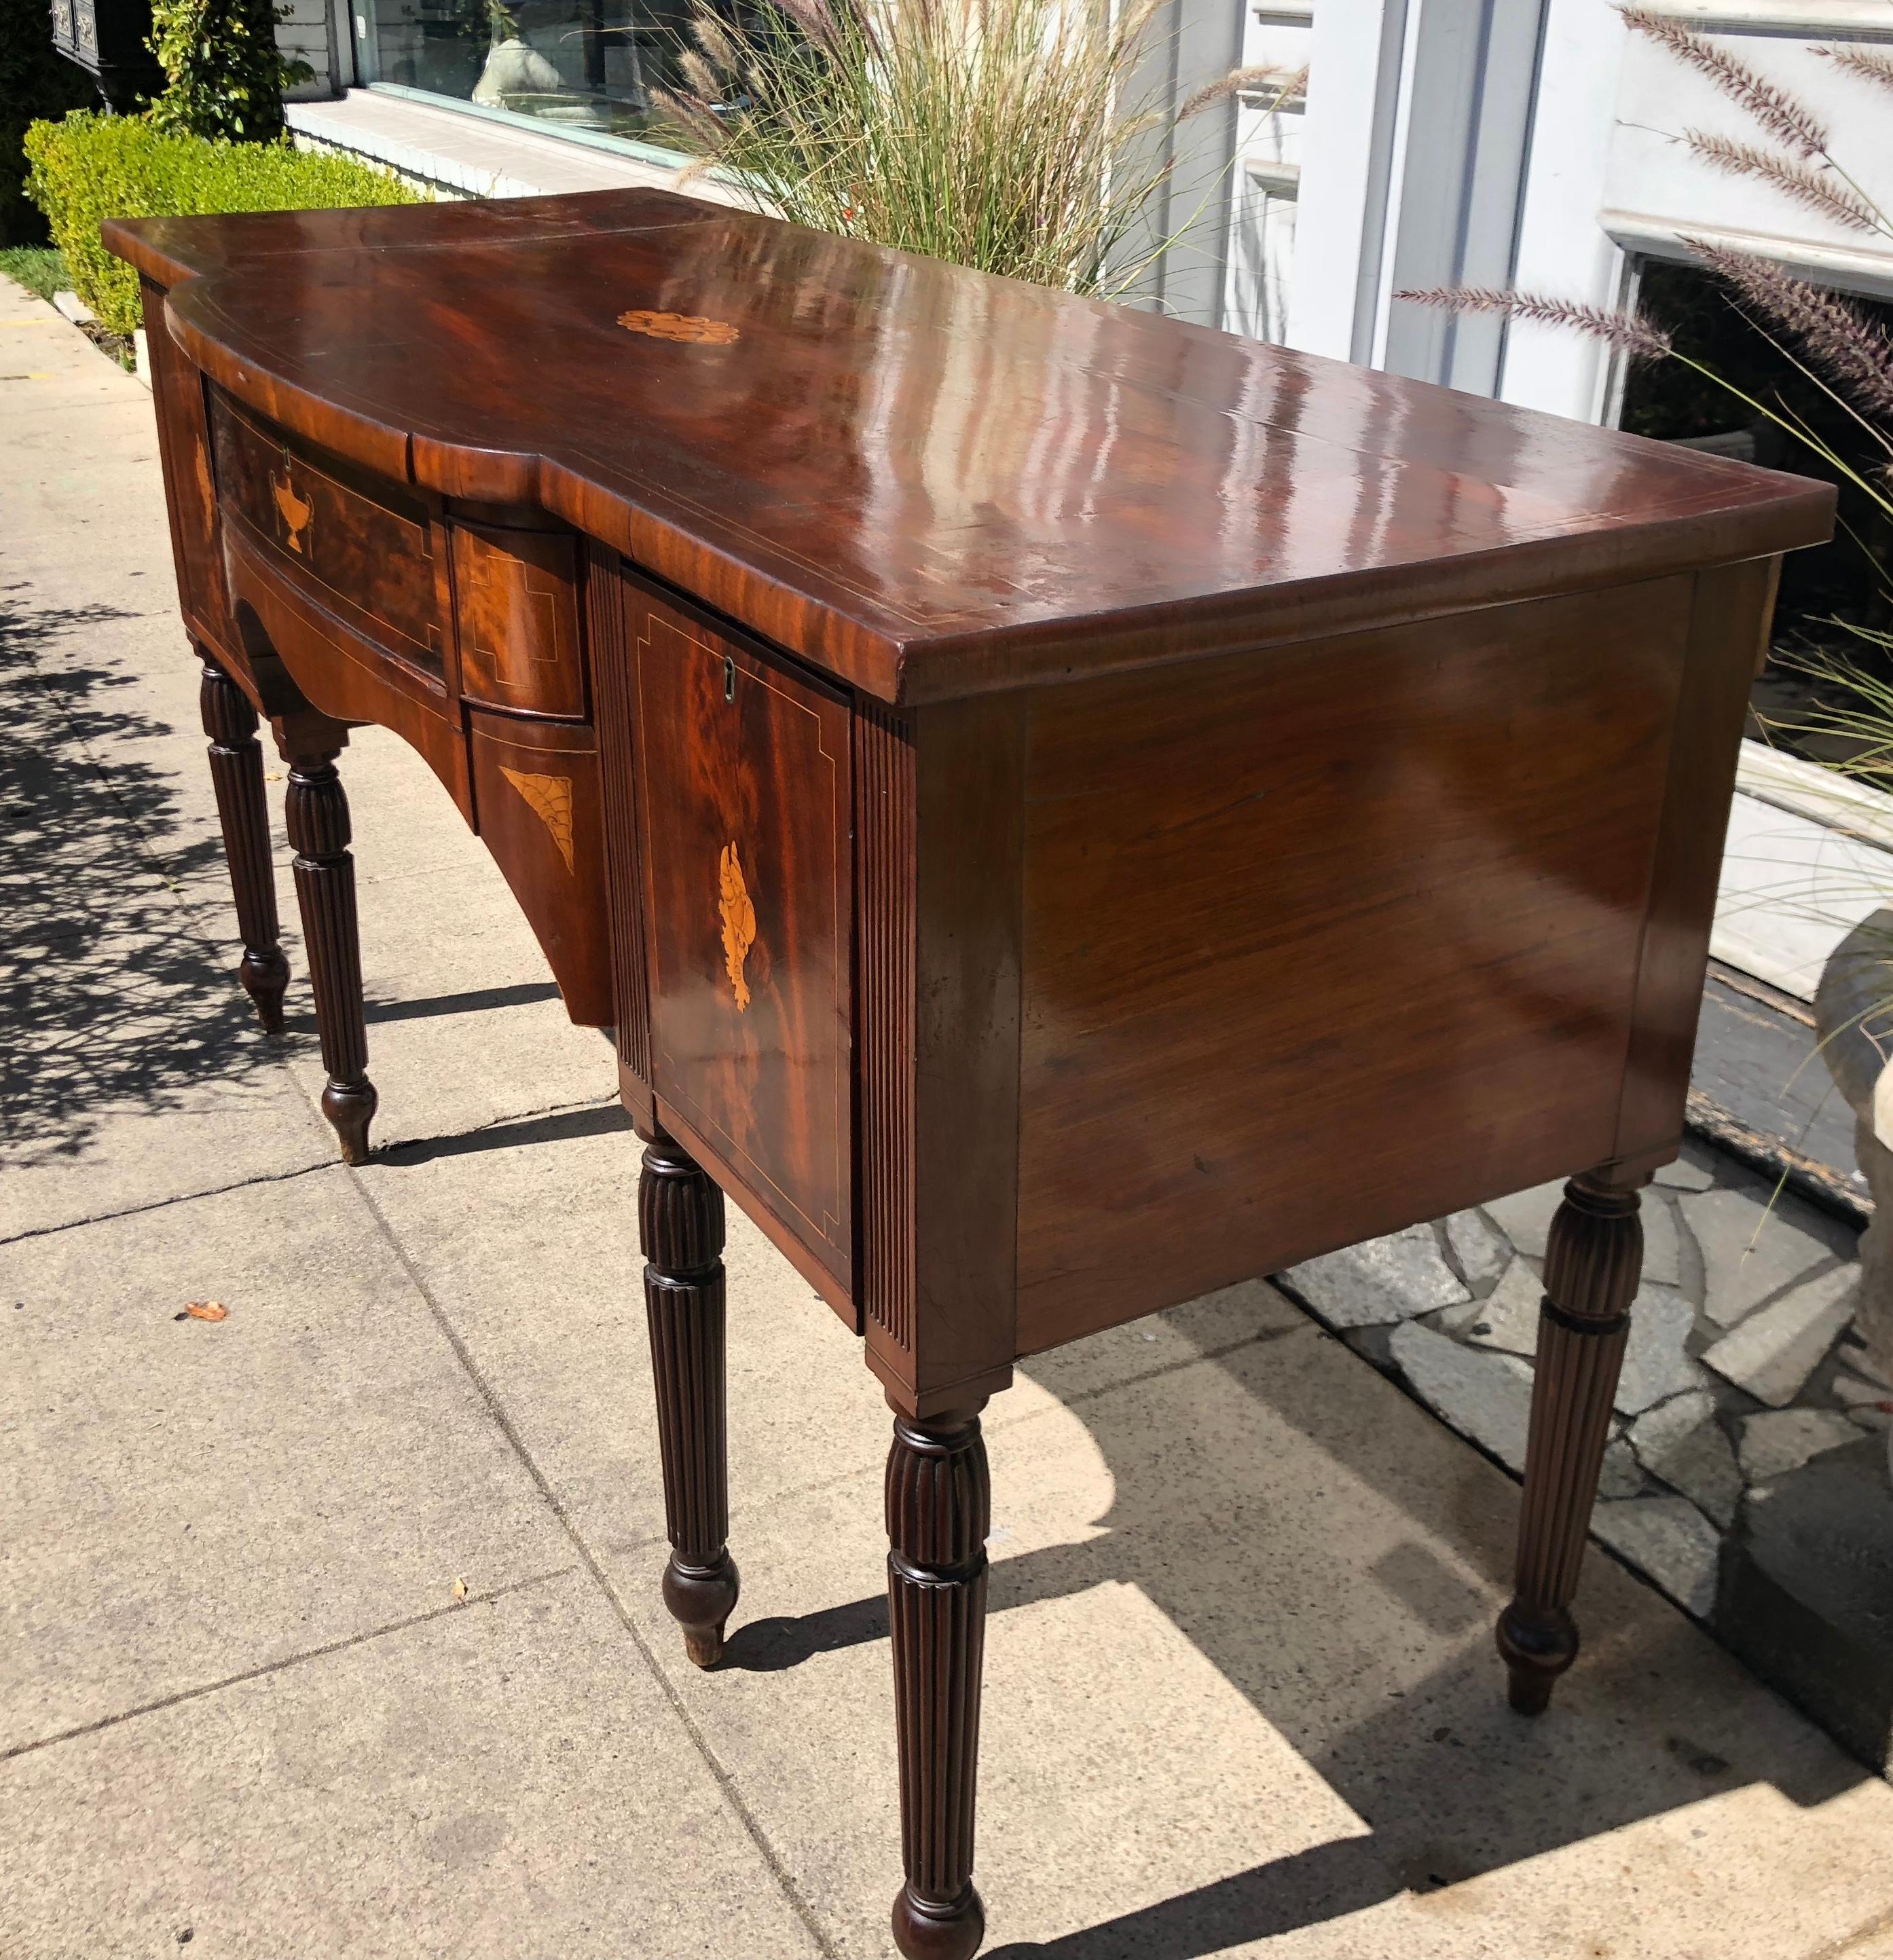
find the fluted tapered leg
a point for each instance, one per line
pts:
(237, 774)
(939, 1508)
(680, 1224)
(1592, 1263)
(318, 819)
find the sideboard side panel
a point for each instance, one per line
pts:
(1734, 605)
(1325, 941)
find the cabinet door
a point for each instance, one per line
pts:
(745, 775)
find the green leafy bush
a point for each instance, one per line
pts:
(90, 168)
(34, 82)
(223, 76)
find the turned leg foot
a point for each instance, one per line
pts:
(318, 819)
(680, 1225)
(1592, 1262)
(236, 775)
(939, 1507)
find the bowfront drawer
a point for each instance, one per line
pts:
(746, 788)
(357, 546)
(516, 605)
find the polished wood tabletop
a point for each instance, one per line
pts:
(928, 481)
(1060, 809)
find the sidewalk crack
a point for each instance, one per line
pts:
(161, 1204)
(724, 1781)
(341, 1646)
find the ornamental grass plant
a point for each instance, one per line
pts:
(1019, 137)
(1841, 351)
(1826, 337)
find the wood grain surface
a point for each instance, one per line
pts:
(746, 801)
(1350, 955)
(929, 482)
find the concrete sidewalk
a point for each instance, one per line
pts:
(1241, 1695)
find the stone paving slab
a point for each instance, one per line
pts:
(1737, 1380)
(546, 1296)
(551, 1273)
(187, 1500)
(502, 1779)
(1323, 1761)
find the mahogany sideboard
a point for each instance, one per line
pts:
(1064, 810)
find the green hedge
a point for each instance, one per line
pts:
(90, 167)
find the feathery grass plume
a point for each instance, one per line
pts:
(1009, 135)
(1280, 84)
(1791, 176)
(1629, 331)
(1838, 338)
(1871, 64)
(1789, 122)
(691, 115)
(705, 82)
(716, 45)
(1862, 716)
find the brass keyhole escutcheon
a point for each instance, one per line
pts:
(729, 677)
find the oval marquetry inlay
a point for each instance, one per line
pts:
(678, 326)
(739, 923)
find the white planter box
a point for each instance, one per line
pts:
(1809, 855)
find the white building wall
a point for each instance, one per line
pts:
(1266, 181)
(308, 34)
(1536, 143)
(1562, 247)
(1355, 53)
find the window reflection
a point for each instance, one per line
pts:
(584, 64)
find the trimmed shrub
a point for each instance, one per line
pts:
(90, 168)
(34, 82)
(223, 77)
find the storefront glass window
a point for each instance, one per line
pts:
(582, 64)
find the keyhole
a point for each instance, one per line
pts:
(729, 677)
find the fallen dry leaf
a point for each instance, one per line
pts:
(206, 1309)
(460, 1588)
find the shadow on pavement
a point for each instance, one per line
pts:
(477, 1001)
(1448, 1781)
(112, 1001)
(562, 1126)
